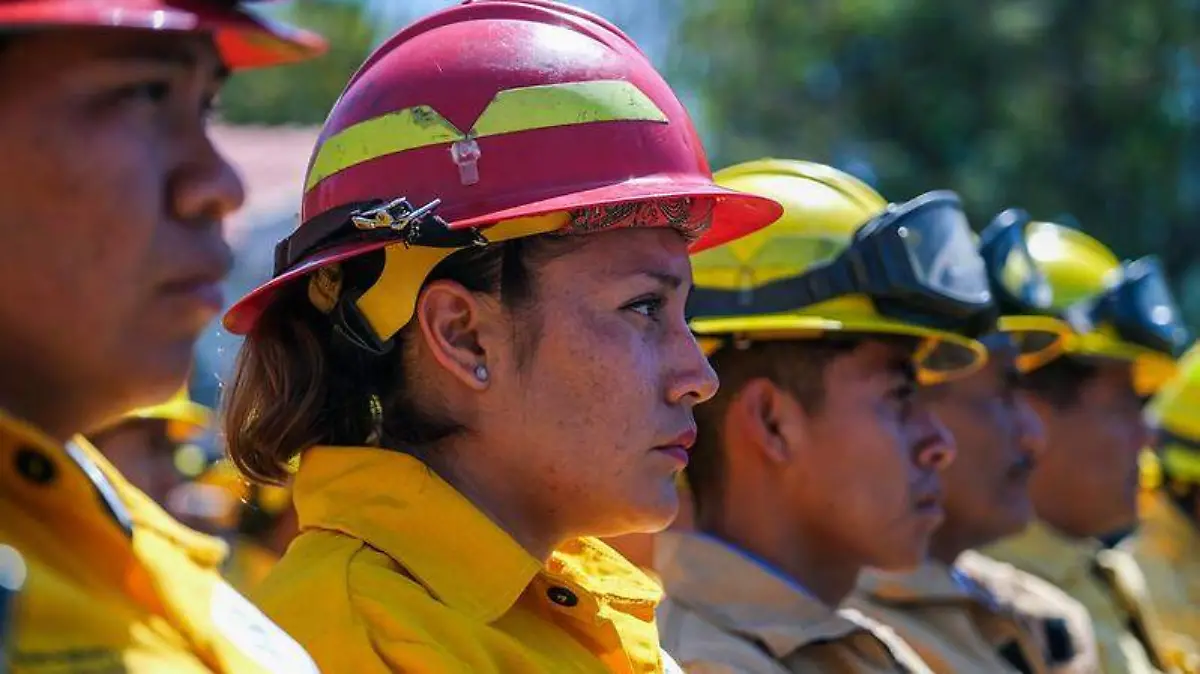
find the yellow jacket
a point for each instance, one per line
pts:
(396, 571)
(1167, 550)
(113, 583)
(1123, 626)
(726, 613)
(955, 624)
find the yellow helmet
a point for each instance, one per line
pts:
(1175, 413)
(748, 289)
(1122, 311)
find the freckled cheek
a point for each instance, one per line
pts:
(612, 376)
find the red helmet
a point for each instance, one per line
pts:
(244, 40)
(504, 109)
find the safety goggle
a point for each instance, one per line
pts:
(915, 261)
(1017, 283)
(1021, 291)
(1139, 306)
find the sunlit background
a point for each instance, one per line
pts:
(1086, 113)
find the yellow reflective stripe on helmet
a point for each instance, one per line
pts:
(566, 104)
(398, 131)
(511, 111)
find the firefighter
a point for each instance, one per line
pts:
(157, 448)
(1126, 335)
(475, 344)
(815, 459)
(112, 199)
(961, 611)
(1167, 543)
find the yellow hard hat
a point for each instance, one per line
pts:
(1121, 311)
(824, 211)
(1175, 413)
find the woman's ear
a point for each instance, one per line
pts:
(454, 323)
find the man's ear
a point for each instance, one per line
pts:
(455, 323)
(770, 419)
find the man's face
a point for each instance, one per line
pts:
(111, 203)
(869, 483)
(1087, 483)
(998, 436)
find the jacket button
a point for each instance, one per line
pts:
(35, 466)
(562, 596)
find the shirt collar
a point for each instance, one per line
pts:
(398, 505)
(932, 581)
(51, 476)
(1048, 553)
(743, 595)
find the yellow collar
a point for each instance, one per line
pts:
(50, 476)
(399, 506)
(744, 596)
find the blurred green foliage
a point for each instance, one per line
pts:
(304, 93)
(1087, 112)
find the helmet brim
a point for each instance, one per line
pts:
(244, 40)
(969, 355)
(1040, 339)
(1151, 369)
(735, 214)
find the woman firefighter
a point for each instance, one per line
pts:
(475, 341)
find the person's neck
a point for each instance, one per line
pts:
(817, 566)
(41, 405)
(500, 500)
(951, 540)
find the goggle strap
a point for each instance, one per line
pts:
(1168, 438)
(789, 294)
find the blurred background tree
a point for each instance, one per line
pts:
(304, 93)
(1083, 112)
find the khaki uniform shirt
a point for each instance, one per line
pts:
(1091, 574)
(955, 624)
(1167, 550)
(726, 613)
(1060, 624)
